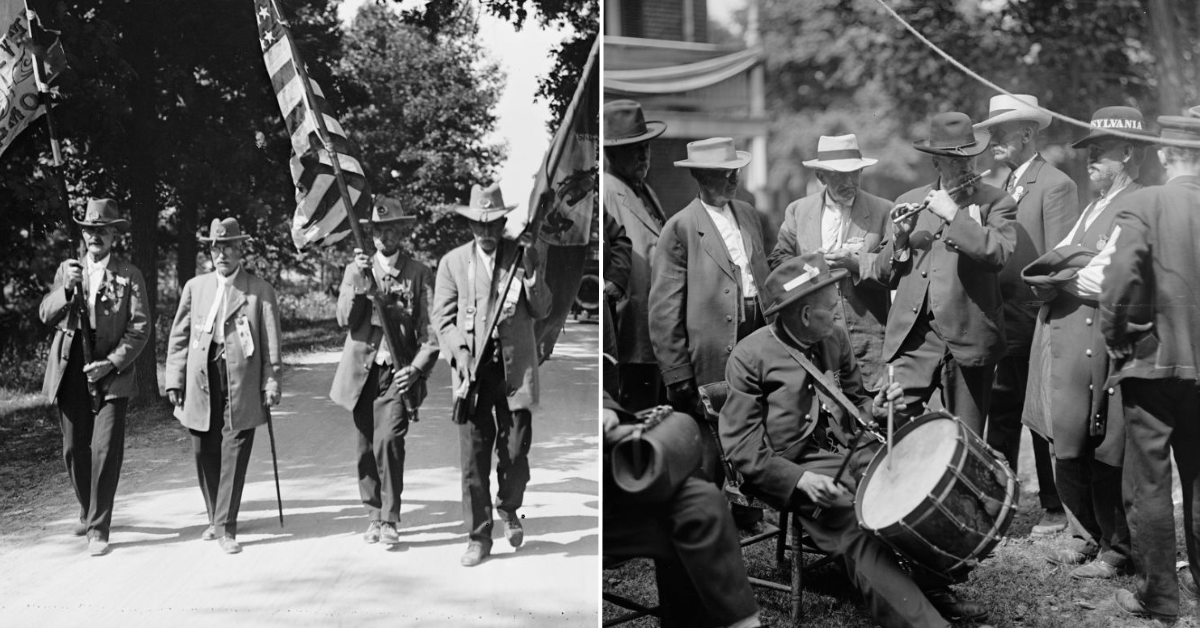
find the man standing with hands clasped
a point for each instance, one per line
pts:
(223, 369)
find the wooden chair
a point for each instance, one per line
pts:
(713, 397)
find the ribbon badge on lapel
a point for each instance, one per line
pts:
(1019, 193)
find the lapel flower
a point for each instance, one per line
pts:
(1019, 193)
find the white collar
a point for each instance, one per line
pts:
(389, 261)
(93, 266)
(484, 254)
(222, 280)
(829, 202)
(713, 208)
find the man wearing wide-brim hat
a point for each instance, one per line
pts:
(708, 268)
(1047, 207)
(1066, 400)
(501, 368)
(1150, 317)
(383, 391)
(945, 329)
(631, 204)
(224, 370)
(776, 398)
(111, 294)
(847, 226)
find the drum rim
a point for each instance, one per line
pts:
(940, 489)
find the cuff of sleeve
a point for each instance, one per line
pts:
(677, 374)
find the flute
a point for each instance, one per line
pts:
(971, 180)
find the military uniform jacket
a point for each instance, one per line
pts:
(864, 302)
(254, 363)
(121, 330)
(462, 298)
(408, 295)
(1047, 208)
(642, 227)
(769, 420)
(696, 295)
(1153, 278)
(1068, 366)
(952, 269)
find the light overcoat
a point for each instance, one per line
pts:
(642, 227)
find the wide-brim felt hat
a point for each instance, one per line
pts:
(486, 205)
(1057, 267)
(715, 153)
(102, 212)
(624, 123)
(1120, 118)
(951, 134)
(388, 210)
(797, 277)
(839, 153)
(224, 230)
(1182, 131)
(1018, 107)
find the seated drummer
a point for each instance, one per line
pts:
(691, 537)
(787, 439)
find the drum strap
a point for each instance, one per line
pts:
(828, 386)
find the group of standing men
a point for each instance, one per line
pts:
(224, 365)
(1020, 305)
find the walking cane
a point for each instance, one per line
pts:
(275, 464)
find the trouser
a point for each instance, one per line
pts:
(1004, 426)
(640, 386)
(698, 561)
(510, 432)
(93, 445)
(893, 598)
(1161, 417)
(924, 363)
(382, 424)
(222, 456)
(1092, 491)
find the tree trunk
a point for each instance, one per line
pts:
(1169, 49)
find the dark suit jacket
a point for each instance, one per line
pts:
(1153, 278)
(864, 302)
(696, 294)
(461, 322)
(767, 423)
(408, 293)
(956, 265)
(1047, 208)
(122, 328)
(625, 207)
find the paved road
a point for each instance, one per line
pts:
(316, 571)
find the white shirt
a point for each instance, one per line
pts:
(1016, 175)
(489, 259)
(388, 263)
(218, 304)
(834, 220)
(95, 274)
(732, 236)
(1086, 284)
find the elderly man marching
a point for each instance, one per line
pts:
(1067, 400)
(1047, 207)
(224, 367)
(92, 397)
(381, 390)
(495, 376)
(847, 226)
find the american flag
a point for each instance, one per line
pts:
(321, 215)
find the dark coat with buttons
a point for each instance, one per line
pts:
(956, 267)
(696, 292)
(1066, 399)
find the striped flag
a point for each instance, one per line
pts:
(321, 215)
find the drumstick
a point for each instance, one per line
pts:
(837, 477)
(891, 414)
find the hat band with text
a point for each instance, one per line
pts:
(1118, 123)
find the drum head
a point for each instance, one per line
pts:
(921, 452)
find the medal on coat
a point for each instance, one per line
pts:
(1101, 242)
(244, 337)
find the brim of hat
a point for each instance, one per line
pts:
(382, 221)
(982, 139)
(835, 275)
(229, 239)
(654, 129)
(840, 165)
(743, 158)
(478, 215)
(1175, 121)
(1096, 135)
(1042, 118)
(120, 224)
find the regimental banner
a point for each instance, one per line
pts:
(19, 103)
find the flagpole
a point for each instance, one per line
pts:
(323, 133)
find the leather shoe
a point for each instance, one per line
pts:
(79, 529)
(97, 546)
(1053, 522)
(953, 608)
(476, 552)
(209, 534)
(1128, 601)
(229, 545)
(514, 532)
(388, 534)
(1097, 569)
(372, 533)
(1069, 557)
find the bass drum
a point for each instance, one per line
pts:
(941, 499)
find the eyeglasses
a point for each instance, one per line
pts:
(728, 175)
